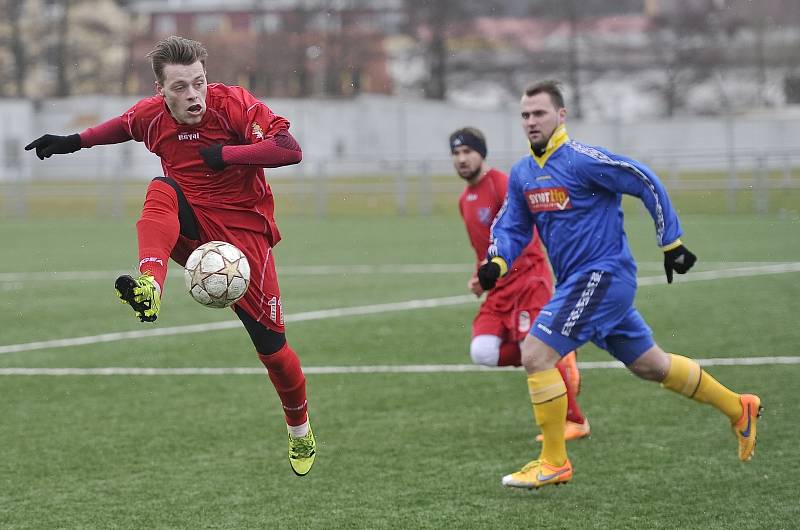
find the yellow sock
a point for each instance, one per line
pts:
(549, 398)
(687, 378)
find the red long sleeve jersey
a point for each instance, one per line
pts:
(479, 205)
(237, 197)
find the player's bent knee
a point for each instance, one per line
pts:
(265, 340)
(652, 365)
(537, 356)
(485, 350)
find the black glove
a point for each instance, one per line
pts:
(488, 274)
(678, 259)
(48, 145)
(212, 156)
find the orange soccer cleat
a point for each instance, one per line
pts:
(745, 427)
(573, 431)
(538, 473)
(572, 375)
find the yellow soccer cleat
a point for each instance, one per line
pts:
(538, 473)
(142, 294)
(572, 431)
(302, 452)
(745, 427)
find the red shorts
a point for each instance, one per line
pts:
(262, 301)
(509, 313)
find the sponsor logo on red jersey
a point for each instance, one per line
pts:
(548, 199)
(188, 136)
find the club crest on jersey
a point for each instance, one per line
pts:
(485, 215)
(524, 324)
(548, 199)
(258, 132)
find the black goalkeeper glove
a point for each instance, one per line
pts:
(212, 156)
(489, 273)
(678, 259)
(48, 145)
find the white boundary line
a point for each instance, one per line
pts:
(378, 369)
(370, 310)
(321, 270)
(232, 324)
(300, 270)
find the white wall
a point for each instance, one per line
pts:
(374, 133)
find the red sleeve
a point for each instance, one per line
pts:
(265, 135)
(130, 125)
(251, 118)
(112, 131)
(281, 149)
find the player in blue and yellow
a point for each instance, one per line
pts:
(572, 193)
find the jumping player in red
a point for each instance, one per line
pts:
(213, 141)
(505, 316)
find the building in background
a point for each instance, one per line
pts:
(63, 47)
(621, 60)
(279, 48)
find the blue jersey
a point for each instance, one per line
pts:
(573, 194)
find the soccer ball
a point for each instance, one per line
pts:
(217, 274)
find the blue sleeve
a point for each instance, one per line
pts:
(619, 174)
(512, 229)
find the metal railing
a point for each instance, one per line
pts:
(756, 182)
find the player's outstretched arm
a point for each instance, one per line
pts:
(48, 145)
(625, 175)
(276, 151)
(109, 132)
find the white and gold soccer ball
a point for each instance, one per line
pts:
(217, 274)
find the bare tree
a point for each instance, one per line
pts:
(17, 44)
(428, 21)
(572, 13)
(685, 47)
(61, 56)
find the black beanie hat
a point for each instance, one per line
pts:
(467, 136)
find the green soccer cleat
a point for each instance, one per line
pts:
(302, 452)
(142, 294)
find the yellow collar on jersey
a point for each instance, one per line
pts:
(557, 139)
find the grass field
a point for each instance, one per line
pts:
(396, 449)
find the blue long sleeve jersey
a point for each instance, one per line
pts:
(573, 193)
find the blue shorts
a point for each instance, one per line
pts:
(594, 306)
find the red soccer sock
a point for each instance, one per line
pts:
(509, 354)
(283, 368)
(158, 230)
(574, 413)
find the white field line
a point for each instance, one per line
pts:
(231, 324)
(301, 270)
(322, 270)
(379, 369)
(371, 310)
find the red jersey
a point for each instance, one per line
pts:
(233, 117)
(479, 205)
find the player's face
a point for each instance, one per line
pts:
(540, 117)
(467, 162)
(184, 90)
